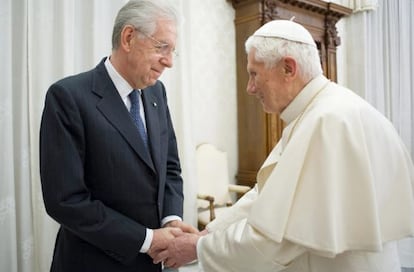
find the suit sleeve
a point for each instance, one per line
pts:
(173, 196)
(66, 196)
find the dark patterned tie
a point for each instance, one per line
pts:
(133, 96)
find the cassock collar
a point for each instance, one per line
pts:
(299, 103)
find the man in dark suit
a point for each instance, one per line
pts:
(111, 180)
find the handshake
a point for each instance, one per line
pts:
(175, 244)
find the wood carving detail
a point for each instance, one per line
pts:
(332, 38)
(305, 5)
(269, 11)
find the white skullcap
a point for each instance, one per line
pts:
(287, 30)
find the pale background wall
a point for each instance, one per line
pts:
(211, 75)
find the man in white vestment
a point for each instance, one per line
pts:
(334, 195)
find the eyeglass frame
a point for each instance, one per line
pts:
(161, 48)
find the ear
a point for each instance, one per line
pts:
(127, 37)
(289, 66)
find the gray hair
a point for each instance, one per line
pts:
(270, 50)
(143, 15)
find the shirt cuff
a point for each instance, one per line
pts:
(150, 233)
(147, 242)
(170, 218)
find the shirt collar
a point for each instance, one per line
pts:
(120, 83)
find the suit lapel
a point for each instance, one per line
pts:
(114, 110)
(152, 122)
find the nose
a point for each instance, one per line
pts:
(251, 88)
(167, 60)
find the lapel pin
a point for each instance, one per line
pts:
(154, 104)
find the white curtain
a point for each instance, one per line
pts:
(15, 176)
(379, 57)
(358, 5)
(380, 61)
(42, 41)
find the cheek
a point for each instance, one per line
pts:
(141, 61)
(258, 84)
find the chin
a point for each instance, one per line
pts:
(268, 110)
(265, 108)
(150, 82)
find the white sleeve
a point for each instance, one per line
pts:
(235, 213)
(241, 248)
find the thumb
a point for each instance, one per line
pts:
(177, 232)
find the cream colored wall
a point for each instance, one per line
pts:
(205, 73)
(214, 76)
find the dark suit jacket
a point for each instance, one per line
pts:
(98, 180)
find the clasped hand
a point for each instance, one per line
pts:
(175, 244)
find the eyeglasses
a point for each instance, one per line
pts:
(161, 48)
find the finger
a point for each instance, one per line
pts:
(160, 257)
(189, 228)
(154, 253)
(170, 263)
(176, 266)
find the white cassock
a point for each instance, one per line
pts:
(334, 195)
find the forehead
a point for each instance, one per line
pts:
(166, 27)
(166, 31)
(252, 63)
